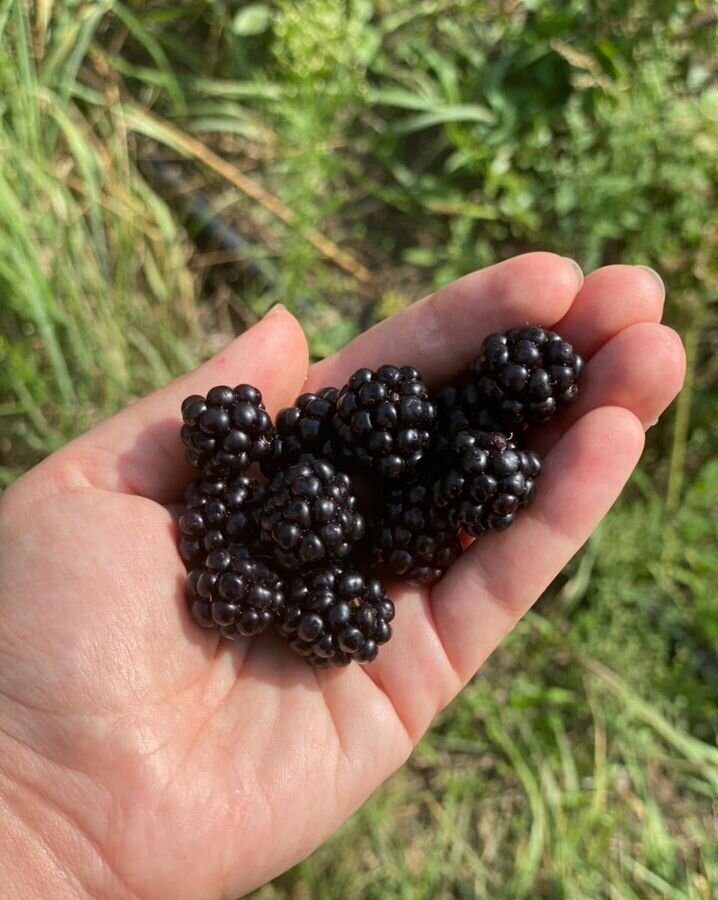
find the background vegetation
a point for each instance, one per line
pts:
(360, 154)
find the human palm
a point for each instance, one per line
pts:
(142, 756)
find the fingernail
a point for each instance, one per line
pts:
(579, 271)
(274, 309)
(656, 276)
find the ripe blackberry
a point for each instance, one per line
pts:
(218, 512)
(524, 375)
(384, 420)
(227, 430)
(412, 538)
(305, 427)
(334, 615)
(235, 593)
(310, 514)
(458, 408)
(485, 481)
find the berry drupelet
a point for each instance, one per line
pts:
(384, 420)
(334, 615)
(227, 430)
(523, 376)
(484, 482)
(310, 514)
(217, 512)
(412, 538)
(305, 427)
(235, 593)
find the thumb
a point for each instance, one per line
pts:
(138, 451)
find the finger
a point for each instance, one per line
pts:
(441, 334)
(494, 583)
(139, 450)
(413, 669)
(611, 299)
(642, 369)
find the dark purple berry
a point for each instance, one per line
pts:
(334, 615)
(522, 377)
(226, 431)
(306, 427)
(310, 515)
(483, 482)
(384, 421)
(412, 538)
(219, 512)
(235, 593)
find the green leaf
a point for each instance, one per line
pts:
(424, 257)
(402, 99)
(466, 112)
(253, 19)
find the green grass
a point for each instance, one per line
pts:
(415, 141)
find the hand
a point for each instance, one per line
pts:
(143, 757)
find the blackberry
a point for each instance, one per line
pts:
(235, 593)
(334, 615)
(227, 430)
(458, 408)
(217, 512)
(305, 427)
(384, 420)
(485, 481)
(524, 375)
(310, 514)
(412, 538)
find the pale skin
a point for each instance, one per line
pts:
(142, 757)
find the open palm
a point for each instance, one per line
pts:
(141, 756)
